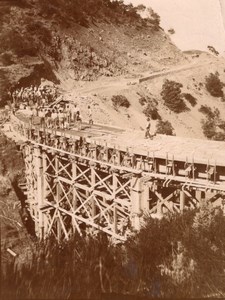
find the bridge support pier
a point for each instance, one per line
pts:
(39, 192)
(182, 201)
(136, 198)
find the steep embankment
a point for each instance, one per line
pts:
(192, 76)
(13, 234)
(65, 41)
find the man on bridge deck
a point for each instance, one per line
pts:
(147, 130)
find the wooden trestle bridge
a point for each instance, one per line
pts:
(102, 179)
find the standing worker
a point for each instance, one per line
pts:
(147, 131)
(154, 124)
(90, 121)
(75, 110)
(42, 117)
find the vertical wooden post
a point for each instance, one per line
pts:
(115, 218)
(182, 201)
(93, 207)
(58, 192)
(145, 197)
(39, 196)
(74, 199)
(74, 176)
(114, 187)
(44, 217)
(136, 201)
(198, 196)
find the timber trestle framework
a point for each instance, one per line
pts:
(78, 184)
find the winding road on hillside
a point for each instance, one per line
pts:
(104, 85)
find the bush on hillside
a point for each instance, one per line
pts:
(213, 50)
(164, 127)
(153, 18)
(120, 100)
(209, 128)
(213, 127)
(206, 110)
(13, 40)
(171, 94)
(143, 101)
(171, 31)
(165, 259)
(191, 99)
(6, 59)
(213, 85)
(152, 112)
(39, 30)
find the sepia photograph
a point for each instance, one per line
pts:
(112, 149)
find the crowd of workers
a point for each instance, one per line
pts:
(42, 102)
(59, 116)
(38, 101)
(34, 95)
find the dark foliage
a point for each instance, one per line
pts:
(164, 127)
(209, 128)
(213, 127)
(213, 85)
(191, 99)
(84, 11)
(206, 110)
(151, 111)
(171, 94)
(171, 31)
(6, 59)
(120, 100)
(153, 19)
(180, 256)
(213, 50)
(143, 101)
(13, 40)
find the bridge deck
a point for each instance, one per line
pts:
(162, 146)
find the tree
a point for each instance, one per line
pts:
(171, 94)
(120, 100)
(153, 18)
(164, 127)
(213, 50)
(213, 85)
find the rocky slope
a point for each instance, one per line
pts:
(94, 50)
(78, 40)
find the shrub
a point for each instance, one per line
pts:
(39, 30)
(180, 256)
(219, 136)
(209, 128)
(13, 40)
(151, 112)
(171, 31)
(171, 94)
(213, 85)
(213, 127)
(143, 101)
(206, 110)
(191, 99)
(153, 18)
(164, 127)
(213, 50)
(120, 100)
(6, 59)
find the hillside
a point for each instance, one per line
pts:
(94, 50)
(79, 40)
